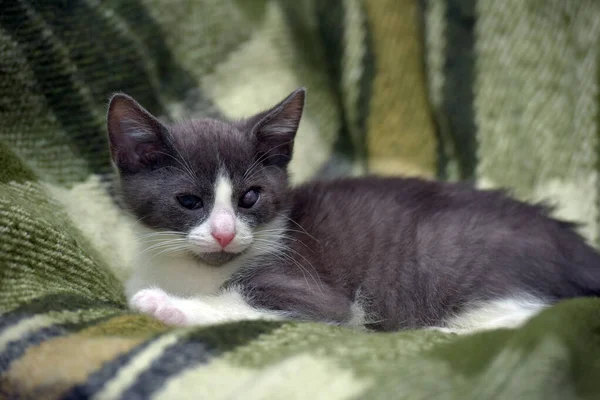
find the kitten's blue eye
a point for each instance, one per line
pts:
(249, 198)
(189, 201)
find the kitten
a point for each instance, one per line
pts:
(228, 239)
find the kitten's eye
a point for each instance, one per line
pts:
(189, 201)
(249, 198)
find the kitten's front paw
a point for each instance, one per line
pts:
(158, 304)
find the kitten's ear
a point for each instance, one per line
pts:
(276, 128)
(137, 139)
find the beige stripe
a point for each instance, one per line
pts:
(50, 362)
(400, 124)
(129, 372)
(22, 328)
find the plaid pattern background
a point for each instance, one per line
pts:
(501, 93)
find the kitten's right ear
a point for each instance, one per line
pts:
(137, 139)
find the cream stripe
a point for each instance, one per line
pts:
(435, 43)
(286, 379)
(22, 328)
(128, 374)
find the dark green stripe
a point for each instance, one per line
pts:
(597, 105)
(254, 10)
(12, 169)
(365, 88)
(176, 358)
(347, 149)
(227, 337)
(458, 89)
(64, 302)
(331, 26)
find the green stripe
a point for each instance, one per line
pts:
(322, 54)
(597, 99)
(174, 80)
(350, 146)
(28, 126)
(12, 169)
(365, 90)
(227, 337)
(458, 92)
(56, 77)
(574, 328)
(432, 21)
(108, 61)
(330, 23)
(42, 253)
(63, 302)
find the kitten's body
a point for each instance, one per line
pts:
(386, 253)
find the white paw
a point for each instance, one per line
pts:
(158, 304)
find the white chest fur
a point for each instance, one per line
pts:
(179, 274)
(180, 290)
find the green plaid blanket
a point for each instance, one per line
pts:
(503, 93)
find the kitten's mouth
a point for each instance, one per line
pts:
(215, 259)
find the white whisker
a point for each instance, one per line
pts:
(279, 255)
(166, 243)
(282, 248)
(299, 226)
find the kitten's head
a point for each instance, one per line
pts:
(214, 184)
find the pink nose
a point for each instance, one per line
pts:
(224, 238)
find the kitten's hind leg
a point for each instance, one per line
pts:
(510, 312)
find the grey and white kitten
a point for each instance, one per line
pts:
(228, 239)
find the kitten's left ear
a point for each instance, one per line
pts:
(276, 128)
